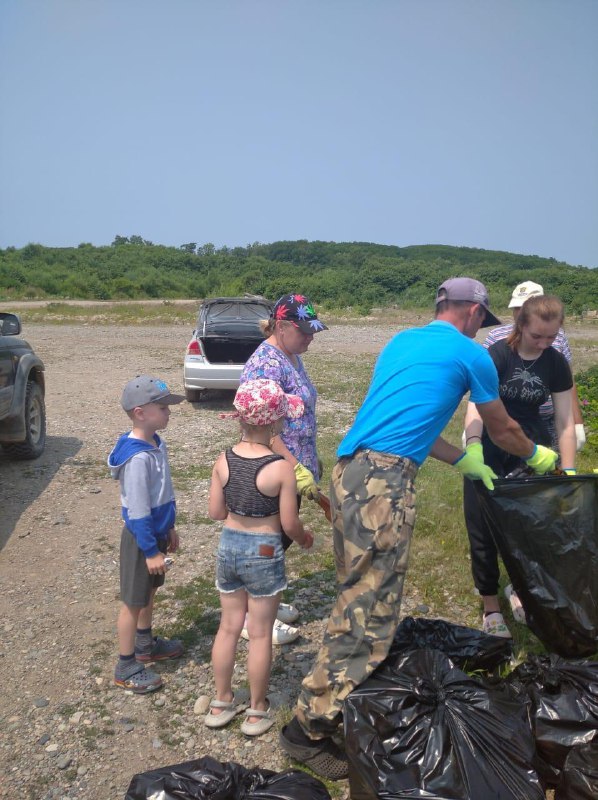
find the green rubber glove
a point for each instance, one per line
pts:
(542, 460)
(306, 483)
(471, 465)
(570, 471)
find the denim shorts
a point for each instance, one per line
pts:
(250, 561)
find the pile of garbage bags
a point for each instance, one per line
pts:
(421, 727)
(208, 779)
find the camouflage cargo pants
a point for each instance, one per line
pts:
(373, 505)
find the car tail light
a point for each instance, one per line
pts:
(194, 348)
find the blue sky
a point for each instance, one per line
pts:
(462, 122)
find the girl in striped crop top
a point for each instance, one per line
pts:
(254, 492)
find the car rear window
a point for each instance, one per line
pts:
(245, 311)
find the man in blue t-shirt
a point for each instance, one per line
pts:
(419, 380)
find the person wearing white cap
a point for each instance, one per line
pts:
(520, 294)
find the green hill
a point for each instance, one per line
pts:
(336, 275)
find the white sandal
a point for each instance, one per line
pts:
(227, 714)
(265, 722)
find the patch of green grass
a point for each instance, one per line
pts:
(88, 469)
(102, 649)
(198, 611)
(199, 519)
(90, 732)
(183, 476)
(67, 710)
(186, 518)
(114, 313)
(40, 783)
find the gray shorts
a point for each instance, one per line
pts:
(136, 583)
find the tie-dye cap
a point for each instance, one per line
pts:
(297, 308)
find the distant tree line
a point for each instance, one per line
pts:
(359, 275)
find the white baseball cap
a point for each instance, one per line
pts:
(523, 291)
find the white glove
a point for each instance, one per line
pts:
(580, 435)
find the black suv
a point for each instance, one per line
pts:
(22, 390)
(226, 334)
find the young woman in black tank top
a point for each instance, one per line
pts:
(255, 493)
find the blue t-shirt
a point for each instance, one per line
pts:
(419, 380)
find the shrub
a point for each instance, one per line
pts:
(587, 389)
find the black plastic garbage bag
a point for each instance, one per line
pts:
(468, 648)
(564, 705)
(411, 794)
(546, 530)
(424, 724)
(580, 774)
(208, 779)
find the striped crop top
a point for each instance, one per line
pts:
(241, 494)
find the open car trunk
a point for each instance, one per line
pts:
(229, 351)
(230, 331)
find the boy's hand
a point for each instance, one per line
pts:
(173, 541)
(155, 564)
(308, 541)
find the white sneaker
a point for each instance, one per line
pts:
(287, 613)
(281, 632)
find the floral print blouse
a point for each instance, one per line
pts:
(299, 435)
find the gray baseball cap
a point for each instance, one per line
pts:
(469, 290)
(144, 389)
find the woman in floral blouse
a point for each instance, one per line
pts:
(289, 331)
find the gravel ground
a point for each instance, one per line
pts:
(67, 731)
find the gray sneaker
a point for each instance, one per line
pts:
(136, 678)
(159, 650)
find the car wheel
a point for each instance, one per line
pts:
(35, 426)
(193, 395)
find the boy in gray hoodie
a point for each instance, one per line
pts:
(139, 460)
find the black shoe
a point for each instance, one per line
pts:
(322, 756)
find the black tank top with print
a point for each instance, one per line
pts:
(241, 494)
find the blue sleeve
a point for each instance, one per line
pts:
(483, 379)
